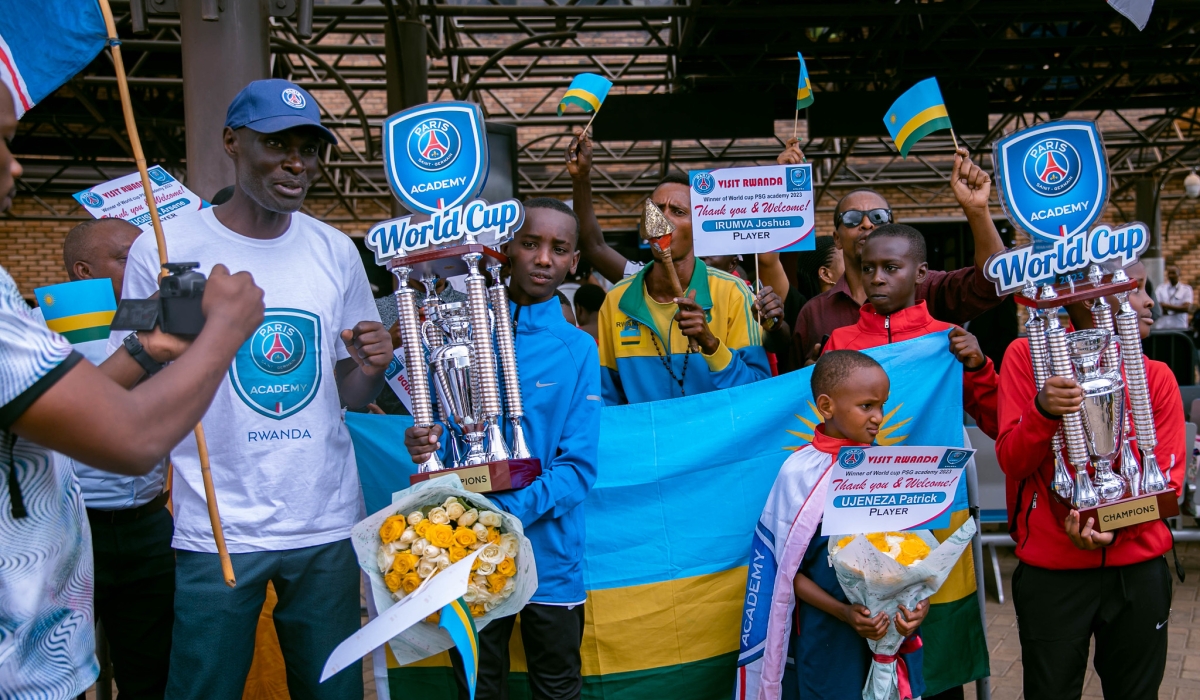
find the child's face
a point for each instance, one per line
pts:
(541, 254)
(854, 411)
(890, 275)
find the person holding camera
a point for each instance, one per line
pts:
(282, 461)
(47, 641)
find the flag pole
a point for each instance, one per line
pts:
(796, 125)
(589, 124)
(135, 144)
(955, 139)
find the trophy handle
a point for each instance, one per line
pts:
(425, 327)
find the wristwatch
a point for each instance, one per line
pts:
(137, 352)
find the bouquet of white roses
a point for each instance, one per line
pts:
(427, 528)
(883, 571)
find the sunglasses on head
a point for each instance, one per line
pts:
(853, 218)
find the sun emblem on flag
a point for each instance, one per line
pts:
(885, 438)
(49, 300)
(893, 119)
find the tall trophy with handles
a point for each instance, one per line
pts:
(462, 356)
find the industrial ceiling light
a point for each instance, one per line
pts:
(1191, 184)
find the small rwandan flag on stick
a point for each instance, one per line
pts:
(79, 311)
(917, 114)
(804, 93)
(457, 621)
(586, 91)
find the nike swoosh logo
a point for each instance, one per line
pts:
(1160, 625)
(593, 397)
(543, 386)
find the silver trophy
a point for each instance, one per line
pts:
(447, 337)
(1103, 409)
(1035, 329)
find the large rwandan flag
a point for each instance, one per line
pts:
(670, 522)
(916, 114)
(44, 43)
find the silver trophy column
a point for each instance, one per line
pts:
(1139, 393)
(452, 358)
(1102, 318)
(1083, 495)
(1035, 330)
(418, 379)
(485, 358)
(508, 360)
(1103, 408)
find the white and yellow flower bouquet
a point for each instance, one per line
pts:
(427, 528)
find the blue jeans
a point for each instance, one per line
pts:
(213, 641)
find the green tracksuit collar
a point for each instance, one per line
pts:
(633, 300)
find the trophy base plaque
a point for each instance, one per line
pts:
(1133, 511)
(504, 475)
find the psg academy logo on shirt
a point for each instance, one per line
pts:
(294, 98)
(1052, 167)
(434, 144)
(1053, 179)
(436, 155)
(703, 182)
(278, 370)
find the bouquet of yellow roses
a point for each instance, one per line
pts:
(884, 570)
(427, 528)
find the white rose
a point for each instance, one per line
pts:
(426, 568)
(468, 518)
(438, 516)
(490, 518)
(451, 500)
(415, 517)
(408, 537)
(431, 552)
(509, 586)
(480, 532)
(479, 580)
(398, 595)
(477, 545)
(471, 595)
(418, 547)
(491, 603)
(442, 561)
(510, 544)
(492, 554)
(384, 559)
(486, 569)
(455, 511)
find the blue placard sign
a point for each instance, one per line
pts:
(435, 155)
(1053, 179)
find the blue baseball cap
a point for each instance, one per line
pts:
(271, 106)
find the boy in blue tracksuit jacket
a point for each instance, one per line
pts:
(560, 387)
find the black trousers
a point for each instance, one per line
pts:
(135, 594)
(552, 635)
(1125, 608)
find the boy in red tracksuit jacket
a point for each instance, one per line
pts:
(893, 266)
(1072, 582)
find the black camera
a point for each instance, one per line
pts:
(176, 310)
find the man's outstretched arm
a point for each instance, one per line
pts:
(603, 257)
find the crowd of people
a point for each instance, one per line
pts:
(86, 535)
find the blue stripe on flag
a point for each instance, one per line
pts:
(74, 298)
(51, 40)
(456, 620)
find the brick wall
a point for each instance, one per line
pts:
(31, 241)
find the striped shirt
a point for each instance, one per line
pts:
(47, 643)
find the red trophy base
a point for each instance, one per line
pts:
(504, 475)
(1132, 511)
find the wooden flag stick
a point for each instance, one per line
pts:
(139, 156)
(955, 139)
(589, 124)
(796, 125)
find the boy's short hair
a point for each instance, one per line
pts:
(916, 242)
(835, 367)
(554, 205)
(590, 297)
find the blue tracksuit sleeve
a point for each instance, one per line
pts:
(566, 480)
(613, 394)
(746, 366)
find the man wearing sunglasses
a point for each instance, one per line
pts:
(954, 297)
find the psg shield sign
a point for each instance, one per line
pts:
(277, 372)
(1053, 179)
(436, 155)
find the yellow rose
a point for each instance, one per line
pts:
(392, 528)
(508, 567)
(410, 582)
(844, 541)
(496, 582)
(455, 552)
(434, 618)
(477, 610)
(465, 536)
(493, 536)
(404, 563)
(422, 528)
(476, 564)
(394, 581)
(440, 536)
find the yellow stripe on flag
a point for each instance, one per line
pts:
(585, 96)
(804, 92)
(74, 323)
(921, 119)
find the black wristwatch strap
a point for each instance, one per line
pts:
(137, 352)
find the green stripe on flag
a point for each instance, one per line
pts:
(710, 678)
(922, 131)
(84, 335)
(955, 649)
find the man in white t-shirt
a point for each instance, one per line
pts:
(1175, 300)
(282, 461)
